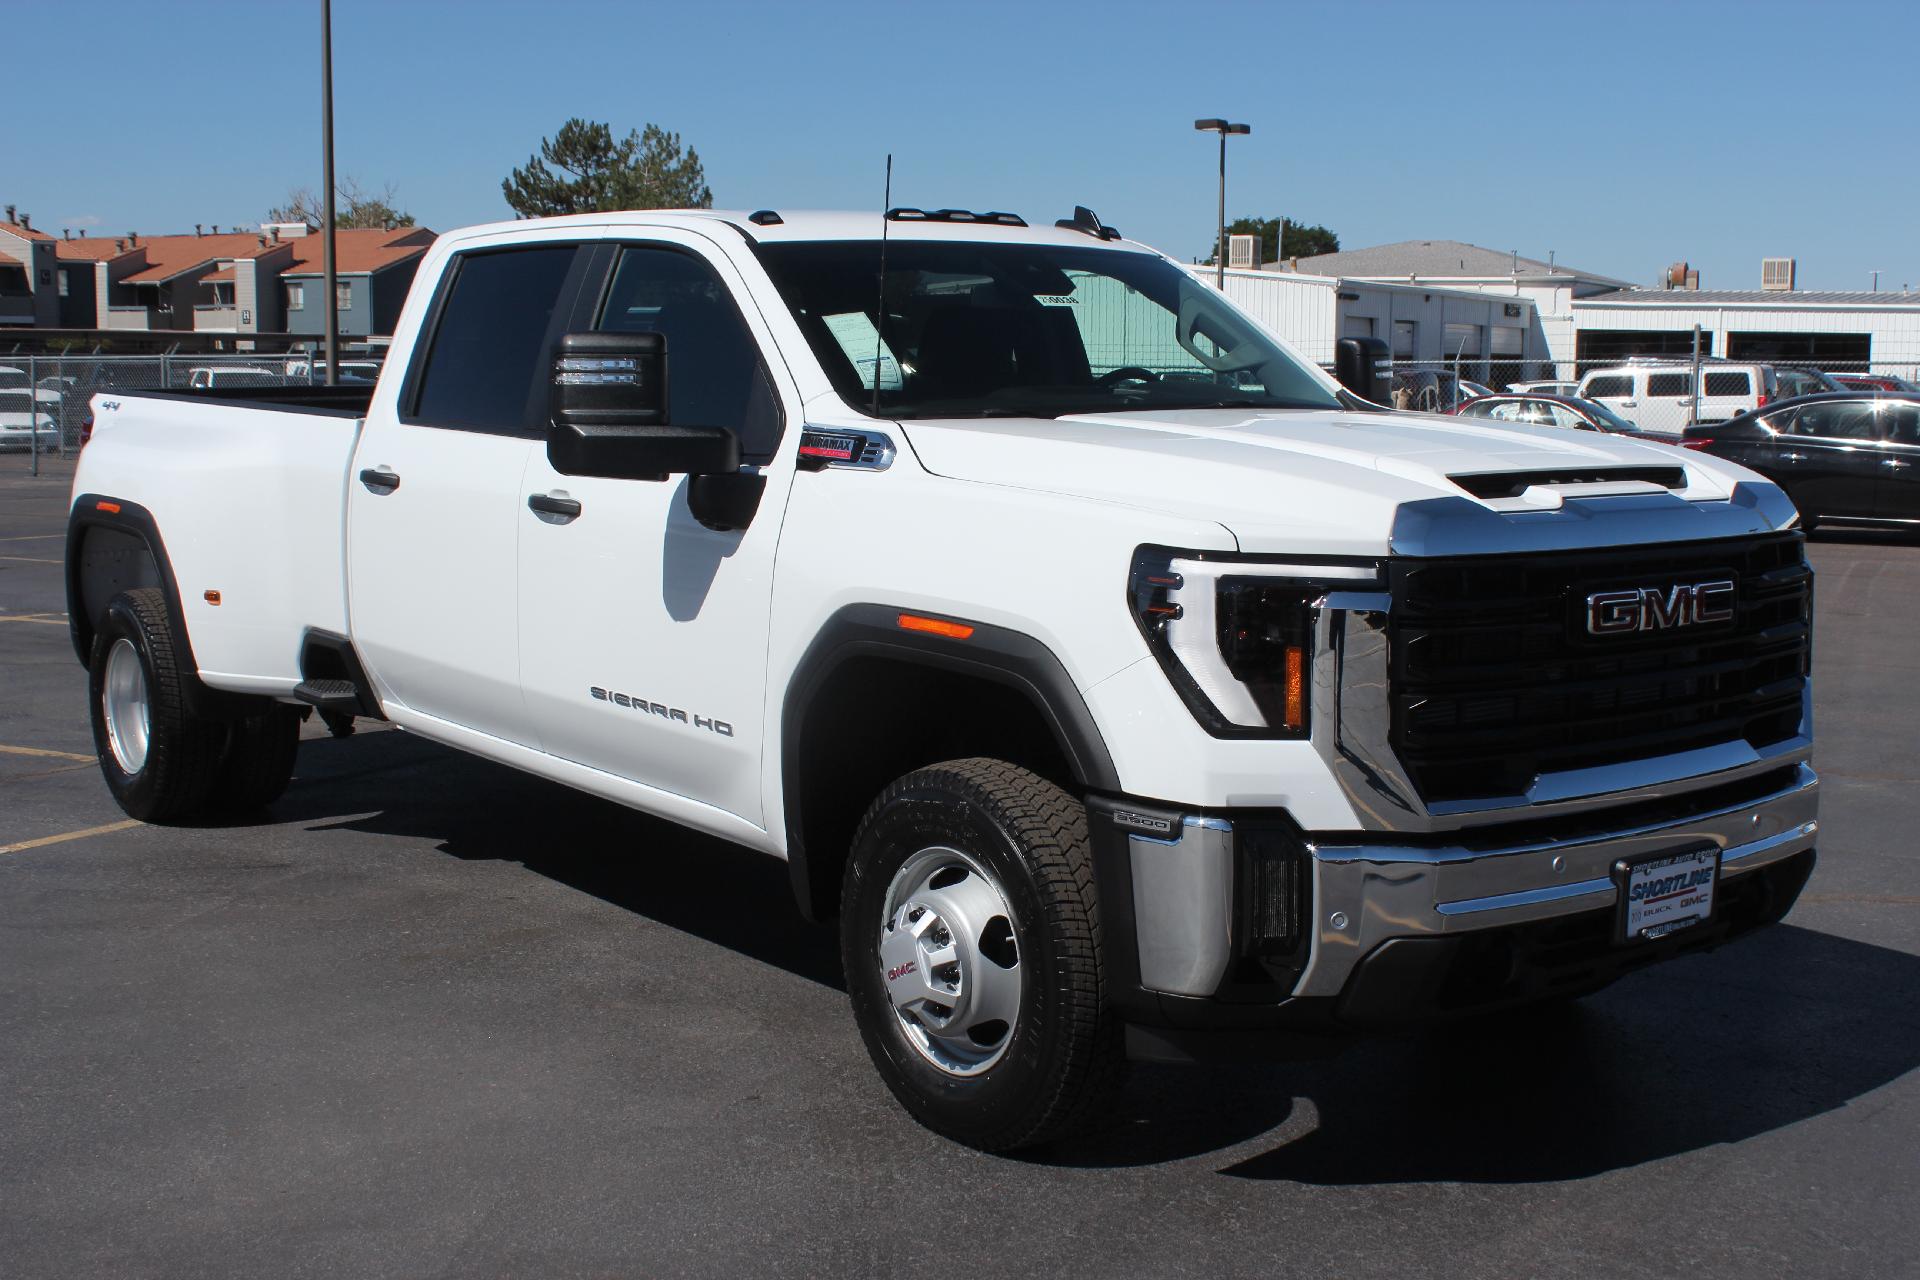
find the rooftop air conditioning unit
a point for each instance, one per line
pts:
(1243, 253)
(1776, 275)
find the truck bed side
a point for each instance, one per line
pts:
(248, 498)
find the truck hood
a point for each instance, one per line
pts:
(1304, 482)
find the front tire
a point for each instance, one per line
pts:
(970, 933)
(160, 761)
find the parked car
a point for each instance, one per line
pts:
(1843, 457)
(49, 392)
(1658, 395)
(1547, 388)
(1559, 411)
(1078, 698)
(1790, 381)
(304, 370)
(1469, 389)
(234, 376)
(23, 421)
(1874, 382)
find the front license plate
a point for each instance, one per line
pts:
(1660, 895)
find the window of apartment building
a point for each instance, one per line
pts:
(296, 296)
(63, 283)
(343, 295)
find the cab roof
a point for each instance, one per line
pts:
(759, 226)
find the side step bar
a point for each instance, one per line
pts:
(332, 679)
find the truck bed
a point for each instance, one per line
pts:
(247, 487)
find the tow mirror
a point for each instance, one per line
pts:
(1364, 366)
(607, 414)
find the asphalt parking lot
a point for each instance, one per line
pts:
(430, 1017)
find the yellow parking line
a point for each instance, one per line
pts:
(43, 751)
(24, 845)
(44, 619)
(31, 560)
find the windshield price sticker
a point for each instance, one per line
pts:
(1663, 894)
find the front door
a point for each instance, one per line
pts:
(436, 495)
(643, 633)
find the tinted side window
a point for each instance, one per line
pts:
(489, 347)
(715, 377)
(1903, 423)
(1854, 420)
(1728, 382)
(1610, 385)
(1669, 384)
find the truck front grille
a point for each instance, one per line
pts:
(1495, 678)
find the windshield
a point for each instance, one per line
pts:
(1024, 330)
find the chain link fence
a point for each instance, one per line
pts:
(45, 399)
(1655, 393)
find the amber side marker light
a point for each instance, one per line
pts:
(111, 508)
(1296, 687)
(211, 597)
(935, 626)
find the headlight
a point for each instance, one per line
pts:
(1235, 635)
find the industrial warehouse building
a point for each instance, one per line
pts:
(1572, 317)
(1491, 337)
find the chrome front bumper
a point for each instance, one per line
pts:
(1365, 893)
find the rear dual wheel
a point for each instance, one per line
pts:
(971, 938)
(162, 761)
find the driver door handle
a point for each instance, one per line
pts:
(547, 504)
(1894, 464)
(380, 480)
(1793, 457)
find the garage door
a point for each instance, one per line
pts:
(1462, 340)
(1508, 340)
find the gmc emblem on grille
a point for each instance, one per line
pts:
(1685, 604)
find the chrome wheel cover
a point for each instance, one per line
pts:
(949, 960)
(123, 701)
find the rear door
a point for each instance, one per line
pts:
(1899, 493)
(1830, 458)
(1668, 402)
(435, 496)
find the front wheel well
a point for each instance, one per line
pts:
(875, 719)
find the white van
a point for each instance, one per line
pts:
(203, 378)
(1659, 396)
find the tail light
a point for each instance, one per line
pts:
(1762, 400)
(86, 429)
(1697, 444)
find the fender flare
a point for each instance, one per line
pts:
(1003, 656)
(91, 511)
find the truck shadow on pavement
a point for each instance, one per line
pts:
(400, 785)
(1707, 1050)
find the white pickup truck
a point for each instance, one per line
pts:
(1121, 682)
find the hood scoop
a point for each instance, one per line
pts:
(1488, 485)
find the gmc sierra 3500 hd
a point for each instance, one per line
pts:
(1123, 683)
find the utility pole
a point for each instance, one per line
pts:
(326, 162)
(1222, 128)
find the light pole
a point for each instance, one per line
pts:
(329, 280)
(1222, 128)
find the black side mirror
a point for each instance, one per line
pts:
(1364, 366)
(607, 414)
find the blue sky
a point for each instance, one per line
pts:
(1621, 136)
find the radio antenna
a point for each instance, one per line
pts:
(880, 316)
